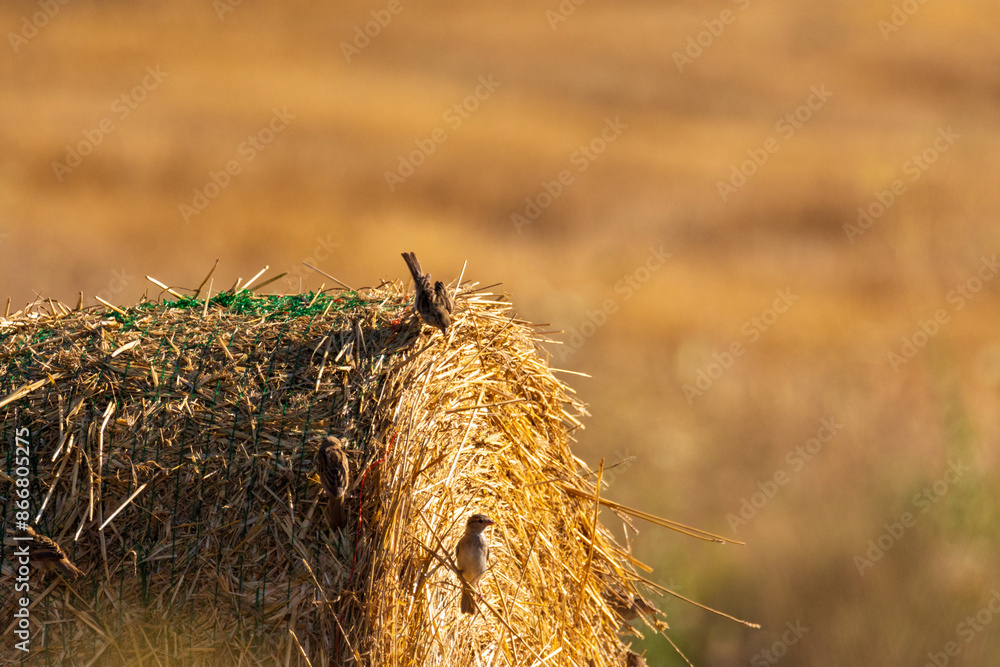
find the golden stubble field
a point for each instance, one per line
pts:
(738, 212)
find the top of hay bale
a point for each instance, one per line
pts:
(172, 449)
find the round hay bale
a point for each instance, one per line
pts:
(172, 455)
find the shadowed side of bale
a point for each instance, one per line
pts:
(173, 458)
(198, 433)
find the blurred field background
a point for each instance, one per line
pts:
(642, 328)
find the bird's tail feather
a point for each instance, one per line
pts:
(70, 570)
(414, 266)
(335, 513)
(468, 607)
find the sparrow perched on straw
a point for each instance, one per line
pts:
(434, 305)
(335, 474)
(45, 554)
(472, 555)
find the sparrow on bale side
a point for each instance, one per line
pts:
(472, 556)
(434, 305)
(45, 554)
(335, 475)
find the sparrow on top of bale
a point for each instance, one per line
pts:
(45, 553)
(472, 556)
(335, 475)
(433, 304)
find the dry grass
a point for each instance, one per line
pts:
(173, 446)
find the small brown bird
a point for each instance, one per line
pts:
(44, 553)
(634, 660)
(335, 474)
(433, 305)
(472, 555)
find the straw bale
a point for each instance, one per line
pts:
(172, 458)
